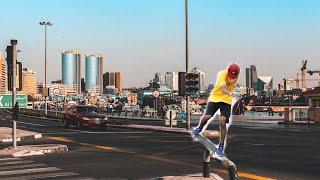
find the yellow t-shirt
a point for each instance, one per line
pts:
(217, 95)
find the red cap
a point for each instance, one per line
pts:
(233, 71)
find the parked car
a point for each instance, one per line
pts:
(84, 116)
(29, 105)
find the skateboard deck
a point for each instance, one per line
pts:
(205, 142)
(208, 145)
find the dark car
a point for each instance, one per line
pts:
(84, 116)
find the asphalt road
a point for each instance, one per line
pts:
(264, 150)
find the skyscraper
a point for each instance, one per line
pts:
(112, 79)
(94, 75)
(172, 80)
(158, 78)
(265, 83)
(29, 82)
(3, 77)
(252, 77)
(71, 72)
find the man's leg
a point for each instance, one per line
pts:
(223, 129)
(210, 111)
(225, 110)
(204, 120)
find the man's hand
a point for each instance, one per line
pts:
(234, 95)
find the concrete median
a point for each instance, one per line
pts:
(31, 150)
(6, 134)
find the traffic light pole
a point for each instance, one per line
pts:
(187, 69)
(14, 92)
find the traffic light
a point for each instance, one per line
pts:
(19, 76)
(9, 59)
(182, 83)
(10, 73)
(192, 83)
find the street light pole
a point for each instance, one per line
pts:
(45, 24)
(187, 68)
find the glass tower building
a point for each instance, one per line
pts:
(94, 74)
(71, 75)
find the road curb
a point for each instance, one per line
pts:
(35, 136)
(205, 133)
(147, 129)
(189, 177)
(298, 123)
(134, 118)
(31, 150)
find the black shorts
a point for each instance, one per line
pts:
(225, 109)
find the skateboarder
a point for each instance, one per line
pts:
(221, 98)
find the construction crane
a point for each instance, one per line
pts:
(290, 81)
(314, 71)
(303, 76)
(303, 73)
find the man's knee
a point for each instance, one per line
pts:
(223, 121)
(206, 117)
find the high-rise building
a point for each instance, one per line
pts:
(252, 78)
(83, 85)
(210, 88)
(3, 76)
(112, 79)
(29, 82)
(172, 80)
(265, 83)
(71, 72)
(158, 78)
(94, 73)
(202, 76)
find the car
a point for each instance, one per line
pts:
(83, 116)
(29, 105)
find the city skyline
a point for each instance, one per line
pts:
(142, 37)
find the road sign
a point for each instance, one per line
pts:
(182, 115)
(56, 91)
(155, 94)
(6, 100)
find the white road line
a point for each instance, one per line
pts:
(9, 159)
(254, 144)
(22, 166)
(88, 132)
(142, 132)
(14, 162)
(78, 130)
(83, 178)
(31, 124)
(25, 171)
(24, 122)
(42, 176)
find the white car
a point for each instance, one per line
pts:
(29, 105)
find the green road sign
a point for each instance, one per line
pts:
(6, 100)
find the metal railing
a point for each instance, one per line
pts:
(229, 165)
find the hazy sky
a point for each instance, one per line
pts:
(142, 37)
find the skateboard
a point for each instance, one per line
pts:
(207, 144)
